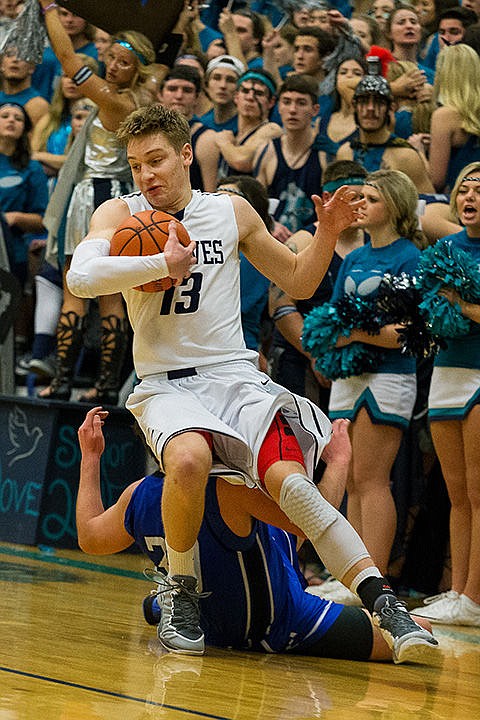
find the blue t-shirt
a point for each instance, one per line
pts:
(429, 73)
(23, 190)
(208, 119)
(21, 98)
(57, 140)
(207, 35)
(361, 273)
(464, 351)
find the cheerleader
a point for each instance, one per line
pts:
(379, 404)
(454, 411)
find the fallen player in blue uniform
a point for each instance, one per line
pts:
(252, 591)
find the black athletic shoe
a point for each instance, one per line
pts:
(408, 641)
(179, 624)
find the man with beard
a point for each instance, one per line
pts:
(374, 145)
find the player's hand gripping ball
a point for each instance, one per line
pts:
(146, 233)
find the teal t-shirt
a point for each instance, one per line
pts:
(22, 190)
(361, 273)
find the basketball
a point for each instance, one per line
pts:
(146, 233)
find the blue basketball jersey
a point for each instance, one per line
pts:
(257, 597)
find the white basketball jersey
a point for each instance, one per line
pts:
(199, 322)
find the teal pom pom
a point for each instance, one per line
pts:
(396, 302)
(321, 328)
(444, 319)
(445, 265)
(353, 359)
(324, 324)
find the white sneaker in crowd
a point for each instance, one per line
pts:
(335, 591)
(450, 608)
(438, 608)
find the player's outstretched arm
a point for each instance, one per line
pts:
(298, 275)
(100, 531)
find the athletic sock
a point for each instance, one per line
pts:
(180, 563)
(374, 592)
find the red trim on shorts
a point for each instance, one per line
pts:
(279, 444)
(208, 437)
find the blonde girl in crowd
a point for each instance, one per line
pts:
(455, 128)
(379, 404)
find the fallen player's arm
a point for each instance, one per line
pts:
(100, 531)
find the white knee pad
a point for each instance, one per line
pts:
(301, 500)
(336, 542)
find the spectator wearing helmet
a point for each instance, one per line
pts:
(221, 83)
(374, 145)
(254, 98)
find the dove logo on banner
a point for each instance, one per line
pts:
(24, 440)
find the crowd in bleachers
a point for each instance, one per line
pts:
(285, 100)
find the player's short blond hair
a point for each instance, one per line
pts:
(153, 120)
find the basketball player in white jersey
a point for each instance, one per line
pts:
(200, 389)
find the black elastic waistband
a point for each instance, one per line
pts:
(184, 372)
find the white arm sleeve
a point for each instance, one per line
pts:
(94, 272)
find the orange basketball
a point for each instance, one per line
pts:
(146, 233)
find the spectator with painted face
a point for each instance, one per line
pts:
(374, 145)
(254, 98)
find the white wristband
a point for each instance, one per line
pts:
(94, 271)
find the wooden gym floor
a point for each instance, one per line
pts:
(74, 646)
